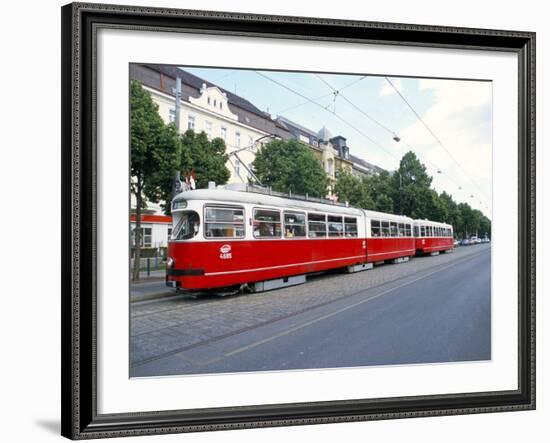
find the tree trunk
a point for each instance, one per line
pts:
(137, 233)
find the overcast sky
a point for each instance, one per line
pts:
(458, 112)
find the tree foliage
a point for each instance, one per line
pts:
(351, 189)
(155, 150)
(206, 158)
(289, 166)
(408, 191)
(379, 187)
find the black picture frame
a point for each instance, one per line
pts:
(80, 419)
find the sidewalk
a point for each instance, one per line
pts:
(150, 287)
(158, 274)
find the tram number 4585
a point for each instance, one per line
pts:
(225, 252)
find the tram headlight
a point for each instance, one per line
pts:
(179, 204)
(170, 262)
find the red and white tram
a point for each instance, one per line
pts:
(433, 237)
(225, 238)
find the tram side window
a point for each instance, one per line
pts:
(401, 229)
(350, 225)
(187, 225)
(416, 231)
(267, 223)
(317, 225)
(386, 229)
(335, 226)
(295, 224)
(223, 222)
(423, 231)
(375, 230)
(408, 230)
(393, 229)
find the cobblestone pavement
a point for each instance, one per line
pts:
(174, 324)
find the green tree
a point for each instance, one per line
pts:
(412, 194)
(353, 190)
(206, 158)
(290, 166)
(154, 150)
(380, 188)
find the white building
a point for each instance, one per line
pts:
(205, 107)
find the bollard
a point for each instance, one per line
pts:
(148, 266)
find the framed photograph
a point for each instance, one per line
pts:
(273, 221)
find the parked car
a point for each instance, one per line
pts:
(464, 242)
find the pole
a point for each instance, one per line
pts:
(177, 93)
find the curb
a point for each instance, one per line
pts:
(155, 296)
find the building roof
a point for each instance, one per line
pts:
(364, 164)
(293, 125)
(324, 134)
(197, 82)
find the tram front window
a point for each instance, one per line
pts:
(187, 226)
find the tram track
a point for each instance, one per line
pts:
(388, 286)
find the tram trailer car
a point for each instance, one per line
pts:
(433, 237)
(224, 239)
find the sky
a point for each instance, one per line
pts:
(449, 126)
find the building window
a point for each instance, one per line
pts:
(146, 238)
(172, 115)
(330, 168)
(267, 223)
(208, 129)
(191, 122)
(215, 104)
(237, 168)
(223, 222)
(208, 100)
(224, 133)
(238, 139)
(221, 105)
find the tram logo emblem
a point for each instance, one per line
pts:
(225, 252)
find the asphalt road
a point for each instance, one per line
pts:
(432, 309)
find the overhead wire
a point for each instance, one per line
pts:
(433, 134)
(374, 142)
(387, 129)
(370, 139)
